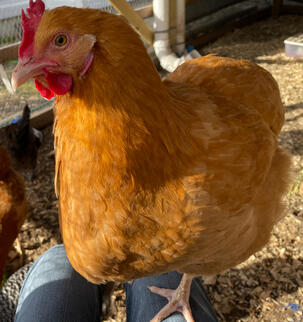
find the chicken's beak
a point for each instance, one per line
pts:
(28, 68)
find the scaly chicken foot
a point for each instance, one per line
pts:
(178, 300)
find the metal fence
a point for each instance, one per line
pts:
(10, 14)
(10, 30)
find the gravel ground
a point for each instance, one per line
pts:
(268, 286)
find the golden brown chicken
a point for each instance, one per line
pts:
(13, 207)
(183, 174)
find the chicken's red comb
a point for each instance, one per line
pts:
(29, 26)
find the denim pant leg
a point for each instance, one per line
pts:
(54, 292)
(142, 305)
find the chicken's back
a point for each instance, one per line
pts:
(241, 174)
(239, 80)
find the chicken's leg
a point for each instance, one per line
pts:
(178, 300)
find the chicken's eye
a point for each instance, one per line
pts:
(60, 40)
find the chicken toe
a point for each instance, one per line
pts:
(178, 300)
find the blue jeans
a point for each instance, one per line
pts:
(54, 292)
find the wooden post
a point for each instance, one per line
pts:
(276, 8)
(172, 24)
(125, 9)
(40, 118)
(9, 52)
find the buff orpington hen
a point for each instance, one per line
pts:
(184, 174)
(13, 207)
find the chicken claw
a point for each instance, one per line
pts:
(178, 300)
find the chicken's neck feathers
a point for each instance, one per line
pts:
(137, 126)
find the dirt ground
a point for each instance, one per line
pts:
(268, 286)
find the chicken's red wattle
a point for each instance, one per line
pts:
(58, 84)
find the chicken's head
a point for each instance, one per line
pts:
(83, 52)
(52, 53)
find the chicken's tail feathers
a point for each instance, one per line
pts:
(270, 205)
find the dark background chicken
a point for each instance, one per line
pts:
(22, 142)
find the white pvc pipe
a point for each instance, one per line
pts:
(194, 54)
(167, 58)
(163, 51)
